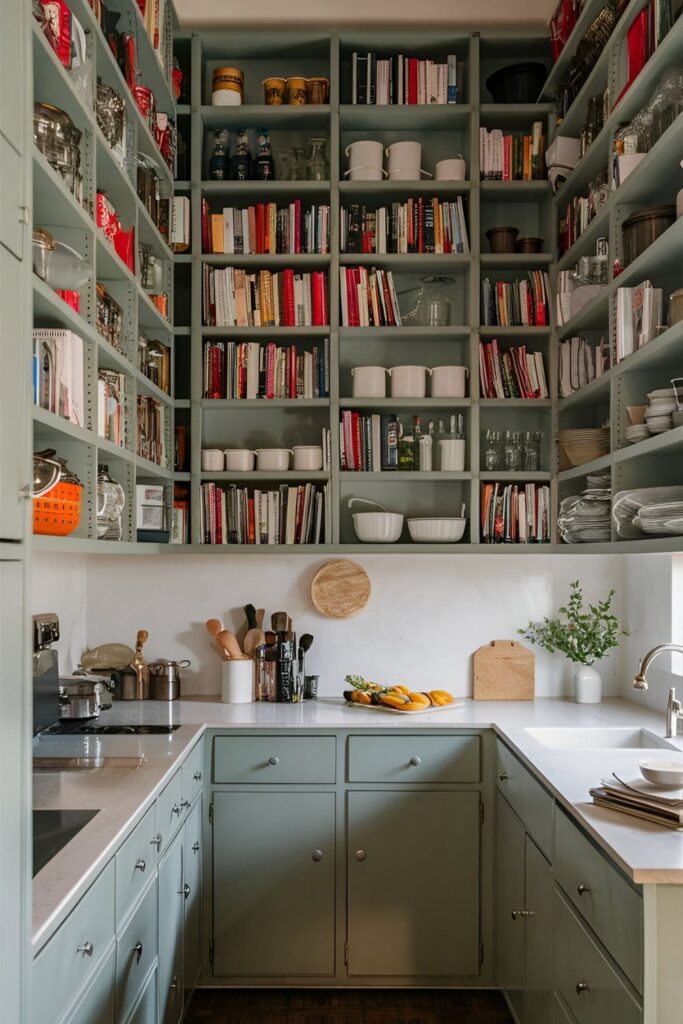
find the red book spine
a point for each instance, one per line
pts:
(251, 521)
(270, 370)
(355, 437)
(291, 364)
(287, 311)
(259, 246)
(420, 225)
(507, 155)
(206, 246)
(297, 225)
(412, 79)
(319, 298)
(387, 300)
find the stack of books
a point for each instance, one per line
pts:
(402, 80)
(413, 226)
(111, 421)
(234, 298)
(641, 799)
(152, 421)
(58, 373)
(515, 513)
(266, 228)
(519, 303)
(180, 515)
(644, 35)
(368, 298)
(512, 157)
(514, 373)
(238, 515)
(368, 443)
(637, 316)
(577, 215)
(579, 364)
(251, 369)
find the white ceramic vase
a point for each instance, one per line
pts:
(587, 685)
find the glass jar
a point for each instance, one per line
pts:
(317, 167)
(512, 451)
(492, 450)
(432, 307)
(297, 156)
(530, 453)
(111, 501)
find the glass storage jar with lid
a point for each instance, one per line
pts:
(111, 501)
(432, 306)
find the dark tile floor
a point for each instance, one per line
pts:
(316, 1006)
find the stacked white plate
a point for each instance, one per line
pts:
(661, 404)
(637, 432)
(585, 517)
(654, 511)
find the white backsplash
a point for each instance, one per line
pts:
(426, 616)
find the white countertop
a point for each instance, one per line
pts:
(647, 853)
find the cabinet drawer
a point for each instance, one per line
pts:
(191, 773)
(169, 810)
(560, 1015)
(136, 950)
(587, 982)
(530, 800)
(274, 759)
(145, 1011)
(135, 864)
(416, 758)
(603, 897)
(96, 1005)
(74, 951)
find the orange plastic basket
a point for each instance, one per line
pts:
(59, 511)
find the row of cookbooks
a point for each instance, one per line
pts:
(636, 318)
(368, 298)
(579, 363)
(153, 419)
(512, 157)
(266, 228)
(414, 226)
(386, 81)
(520, 303)
(645, 33)
(232, 297)
(111, 405)
(513, 373)
(289, 514)
(515, 513)
(252, 369)
(368, 442)
(58, 373)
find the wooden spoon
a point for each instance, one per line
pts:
(254, 638)
(228, 641)
(214, 627)
(260, 616)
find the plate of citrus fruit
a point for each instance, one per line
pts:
(394, 698)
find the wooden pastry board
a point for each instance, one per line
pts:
(341, 589)
(503, 670)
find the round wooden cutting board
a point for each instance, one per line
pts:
(341, 589)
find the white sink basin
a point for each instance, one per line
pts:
(600, 739)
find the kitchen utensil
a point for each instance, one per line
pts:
(452, 455)
(382, 527)
(502, 240)
(365, 155)
(449, 381)
(451, 169)
(237, 681)
(308, 457)
(405, 158)
(260, 616)
(340, 589)
(214, 626)
(140, 666)
(668, 774)
(165, 679)
(278, 622)
(436, 531)
(305, 642)
(529, 244)
(272, 460)
(408, 381)
(239, 460)
(517, 83)
(254, 638)
(107, 656)
(250, 613)
(368, 381)
(503, 670)
(270, 637)
(228, 641)
(128, 686)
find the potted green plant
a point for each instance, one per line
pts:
(584, 634)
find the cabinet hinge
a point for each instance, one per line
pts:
(481, 952)
(211, 813)
(346, 954)
(481, 814)
(211, 951)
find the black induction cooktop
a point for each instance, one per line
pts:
(52, 830)
(79, 729)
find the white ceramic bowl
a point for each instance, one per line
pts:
(663, 773)
(436, 531)
(308, 457)
(239, 460)
(272, 460)
(378, 527)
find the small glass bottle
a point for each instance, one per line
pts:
(218, 164)
(264, 165)
(316, 166)
(512, 451)
(405, 449)
(240, 161)
(492, 450)
(530, 453)
(417, 435)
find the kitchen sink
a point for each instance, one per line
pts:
(599, 739)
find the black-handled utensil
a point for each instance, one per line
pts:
(250, 612)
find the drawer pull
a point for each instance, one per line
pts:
(156, 841)
(415, 761)
(581, 889)
(85, 949)
(186, 890)
(273, 760)
(502, 776)
(361, 854)
(581, 986)
(514, 914)
(175, 809)
(195, 847)
(197, 777)
(317, 855)
(140, 865)
(185, 804)
(174, 983)
(138, 951)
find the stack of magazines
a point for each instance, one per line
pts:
(586, 517)
(641, 799)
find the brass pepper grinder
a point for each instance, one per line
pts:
(140, 667)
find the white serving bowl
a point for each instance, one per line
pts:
(436, 531)
(663, 773)
(378, 527)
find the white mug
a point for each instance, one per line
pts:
(273, 460)
(449, 381)
(452, 455)
(237, 684)
(308, 457)
(408, 381)
(239, 460)
(453, 169)
(213, 460)
(365, 173)
(369, 382)
(365, 153)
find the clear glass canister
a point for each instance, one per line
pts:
(432, 307)
(317, 168)
(111, 501)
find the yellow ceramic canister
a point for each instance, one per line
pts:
(274, 91)
(317, 90)
(228, 87)
(296, 91)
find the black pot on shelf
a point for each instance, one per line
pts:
(517, 83)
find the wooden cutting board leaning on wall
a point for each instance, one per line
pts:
(504, 670)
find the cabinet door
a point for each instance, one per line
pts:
(510, 898)
(413, 884)
(14, 70)
(539, 936)
(170, 968)
(96, 1005)
(192, 891)
(145, 1011)
(273, 883)
(14, 429)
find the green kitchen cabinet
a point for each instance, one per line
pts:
(14, 400)
(192, 894)
(413, 884)
(171, 901)
(539, 936)
(274, 883)
(96, 1004)
(145, 1011)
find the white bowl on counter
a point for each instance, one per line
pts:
(446, 530)
(668, 774)
(382, 527)
(272, 460)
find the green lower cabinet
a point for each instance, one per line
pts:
(170, 969)
(539, 928)
(413, 884)
(274, 883)
(192, 893)
(145, 1011)
(96, 1005)
(510, 900)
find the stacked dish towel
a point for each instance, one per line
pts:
(585, 517)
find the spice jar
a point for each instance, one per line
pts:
(228, 87)
(317, 90)
(274, 91)
(296, 91)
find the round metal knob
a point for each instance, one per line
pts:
(197, 776)
(317, 855)
(415, 761)
(186, 890)
(273, 760)
(581, 986)
(175, 809)
(140, 865)
(195, 847)
(581, 889)
(185, 804)
(361, 854)
(85, 949)
(156, 841)
(502, 776)
(138, 950)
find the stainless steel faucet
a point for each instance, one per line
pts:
(674, 709)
